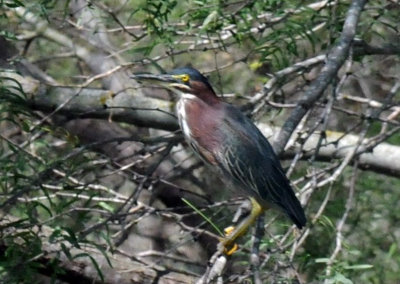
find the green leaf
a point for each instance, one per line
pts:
(104, 253)
(212, 17)
(340, 278)
(45, 208)
(71, 237)
(106, 206)
(25, 126)
(392, 250)
(56, 233)
(15, 4)
(142, 49)
(96, 265)
(66, 251)
(322, 260)
(204, 216)
(326, 222)
(359, 266)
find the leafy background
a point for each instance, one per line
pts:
(82, 180)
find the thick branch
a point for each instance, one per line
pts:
(383, 158)
(88, 103)
(154, 113)
(95, 103)
(98, 62)
(335, 60)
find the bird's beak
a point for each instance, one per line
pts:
(172, 82)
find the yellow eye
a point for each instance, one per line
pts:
(185, 78)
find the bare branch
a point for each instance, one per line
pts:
(81, 270)
(335, 60)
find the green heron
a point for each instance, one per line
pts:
(227, 140)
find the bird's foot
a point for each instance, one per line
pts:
(226, 244)
(228, 230)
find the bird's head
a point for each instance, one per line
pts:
(182, 81)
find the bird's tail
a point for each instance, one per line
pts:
(295, 211)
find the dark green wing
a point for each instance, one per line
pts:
(250, 160)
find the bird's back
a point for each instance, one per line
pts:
(248, 158)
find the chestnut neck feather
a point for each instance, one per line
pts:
(204, 93)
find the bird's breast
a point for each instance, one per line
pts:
(200, 125)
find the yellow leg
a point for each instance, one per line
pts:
(227, 244)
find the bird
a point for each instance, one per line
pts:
(228, 141)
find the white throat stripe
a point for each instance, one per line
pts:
(188, 96)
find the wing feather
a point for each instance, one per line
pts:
(249, 159)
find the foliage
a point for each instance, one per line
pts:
(75, 187)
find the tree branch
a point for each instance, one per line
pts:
(155, 113)
(335, 60)
(94, 103)
(123, 269)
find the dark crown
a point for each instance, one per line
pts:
(194, 74)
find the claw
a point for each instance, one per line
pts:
(228, 230)
(227, 244)
(227, 247)
(232, 250)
